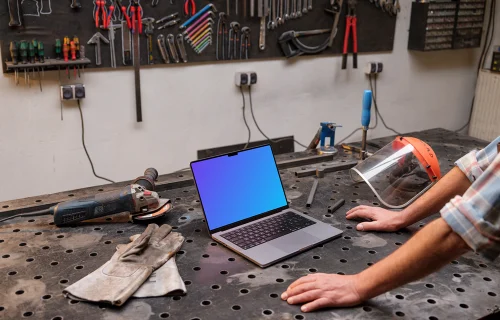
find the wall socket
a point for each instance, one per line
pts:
(73, 92)
(245, 78)
(374, 67)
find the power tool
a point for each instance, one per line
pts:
(138, 198)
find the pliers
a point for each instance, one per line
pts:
(136, 13)
(100, 6)
(351, 22)
(186, 8)
(124, 12)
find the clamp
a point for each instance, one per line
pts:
(351, 22)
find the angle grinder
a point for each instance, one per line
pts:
(138, 198)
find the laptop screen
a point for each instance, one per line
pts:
(238, 186)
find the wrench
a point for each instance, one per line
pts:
(293, 15)
(309, 5)
(286, 15)
(299, 5)
(304, 7)
(279, 19)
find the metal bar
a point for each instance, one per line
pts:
(336, 206)
(312, 193)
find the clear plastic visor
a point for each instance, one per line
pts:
(394, 174)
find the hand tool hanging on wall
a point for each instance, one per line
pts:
(123, 9)
(351, 24)
(168, 18)
(221, 36)
(234, 39)
(66, 43)
(126, 44)
(149, 23)
(100, 13)
(163, 48)
(171, 48)
(200, 13)
(169, 24)
(245, 43)
(96, 40)
(14, 53)
(187, 4)
(137, 30)
(14, 13)
(112, 34)
(292, 46)
(181, 48)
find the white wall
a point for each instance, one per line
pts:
(195, 107)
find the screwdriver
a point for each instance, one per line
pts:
(73, 55)
(35, 46)
(77, 48)
(365, 120)
(14, 52)
(23, 51)
(58, 49)
(41, 52)
(66, 53)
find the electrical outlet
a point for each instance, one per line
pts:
(374, 67)
(253, 77)
(241, 79)
(73, 92)
(245, 78)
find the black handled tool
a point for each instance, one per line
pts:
(14, 13)
(75, 4)
(14, 52)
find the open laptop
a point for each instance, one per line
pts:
(247, 211)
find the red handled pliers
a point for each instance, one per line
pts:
(351, 22)
(186, 8)
(124, 12)
(101, 7)
(136, 13)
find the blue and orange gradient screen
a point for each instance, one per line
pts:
(239, 186)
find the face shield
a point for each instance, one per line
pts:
(399, 172)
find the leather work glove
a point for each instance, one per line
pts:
(116, 280)
(166, 280)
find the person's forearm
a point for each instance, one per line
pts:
(429, 250)
(452, 184)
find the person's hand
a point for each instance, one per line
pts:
(381, 219)
(321, 290)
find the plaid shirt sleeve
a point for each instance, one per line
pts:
(475, 216)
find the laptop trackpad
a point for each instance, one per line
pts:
(295, 241)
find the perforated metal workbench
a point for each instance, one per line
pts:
(38, 259)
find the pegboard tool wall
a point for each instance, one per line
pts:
(375, 28)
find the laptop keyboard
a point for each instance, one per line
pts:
(267, 230)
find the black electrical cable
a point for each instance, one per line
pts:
(490, 29)
(85, 148)
(376, 106)
(257, 125)
(29, 214)
(245, 118)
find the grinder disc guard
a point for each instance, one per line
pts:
(400, 172)
(164, 207)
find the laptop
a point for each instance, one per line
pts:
(246, 209)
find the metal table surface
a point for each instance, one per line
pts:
(38, 260)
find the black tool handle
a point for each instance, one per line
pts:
(75, 4)
(148, 179)
(14, 13)
(355, 60)
(344, 61)
(103, 204)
